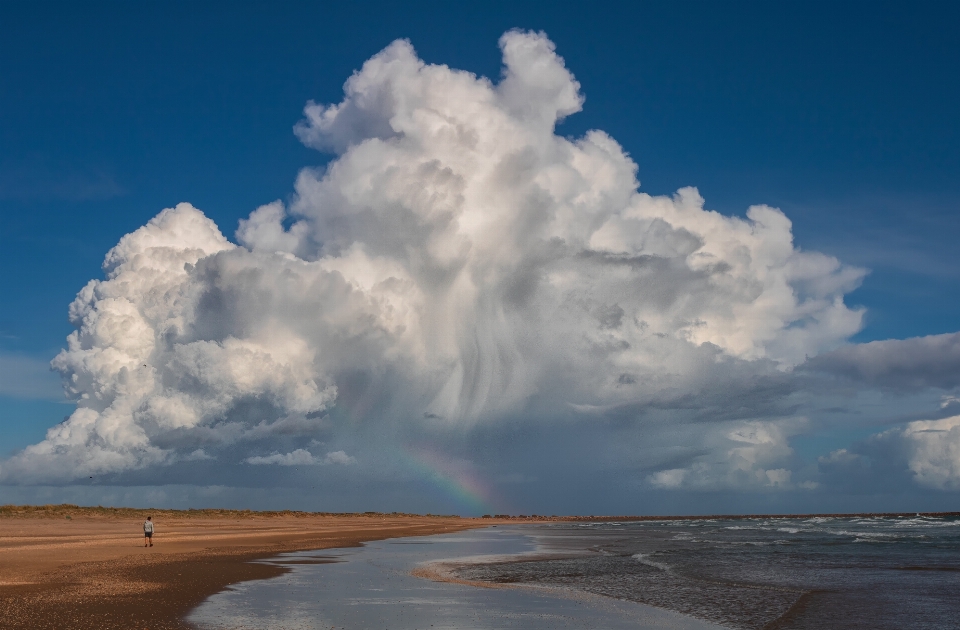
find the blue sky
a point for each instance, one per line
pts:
(844, 117)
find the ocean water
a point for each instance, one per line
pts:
(811, 573)
(371, 587)
(743, 573)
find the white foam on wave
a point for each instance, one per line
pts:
(644, 559)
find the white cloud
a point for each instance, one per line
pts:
(302, 457)
(672, 478)
(739, 454)
(339, 457)
(934, 451)
(924, 453)
(458, 264)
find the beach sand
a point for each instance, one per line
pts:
(91, 570)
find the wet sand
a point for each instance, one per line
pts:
(91, 570)
(380, 586)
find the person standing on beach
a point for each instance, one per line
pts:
(148, 531)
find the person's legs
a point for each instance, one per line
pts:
(144, 539)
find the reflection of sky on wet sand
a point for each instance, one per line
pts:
(371, 587)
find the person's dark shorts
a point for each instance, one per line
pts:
(148, 534)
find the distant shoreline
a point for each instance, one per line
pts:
(65, 509)
(750, 516)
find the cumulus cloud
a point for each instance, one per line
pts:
(302, 457)
(923, 453)
(740, 454)
(457, 265)
(934, 451)
(928, 451)
(898, 364)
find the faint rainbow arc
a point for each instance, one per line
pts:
(465, 486)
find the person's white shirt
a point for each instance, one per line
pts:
(148, 527)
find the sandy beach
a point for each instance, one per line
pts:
(67, 567)
(87, 567)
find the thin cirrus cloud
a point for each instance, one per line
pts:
(457, 269)
(38, 178)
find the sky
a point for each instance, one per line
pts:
(620, 258)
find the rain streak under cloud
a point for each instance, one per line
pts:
(460, 270)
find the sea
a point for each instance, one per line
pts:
(741, 573)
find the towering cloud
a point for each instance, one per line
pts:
(457, 265)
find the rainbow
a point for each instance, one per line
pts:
(456, 479)
(460, 482)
